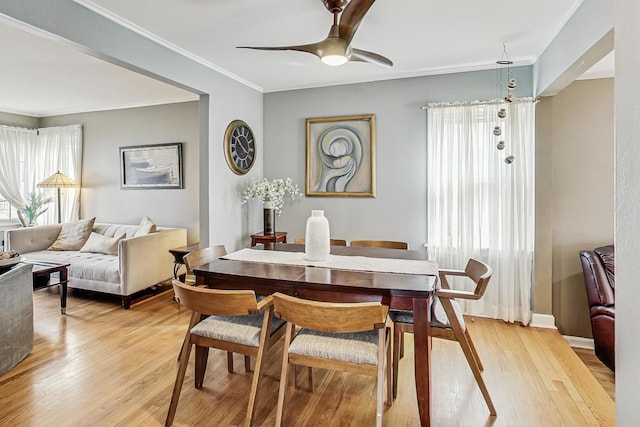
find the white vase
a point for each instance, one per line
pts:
(316, 241)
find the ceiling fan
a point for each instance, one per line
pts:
(336, 48)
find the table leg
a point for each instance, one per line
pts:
(63, 291)
(422, 356)
(176, 268)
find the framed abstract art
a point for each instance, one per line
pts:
(341, 156)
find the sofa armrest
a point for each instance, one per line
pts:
(31, 239)
(146, 261)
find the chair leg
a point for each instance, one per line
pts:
(397, 344)
(195, 318)
(185, 344)
(310, 377)
(381, 376)
(202, 355)
(262, 350)
(177, 387)
(283, 375)
(401, 345)
(247, 363)
(472, 357)
(387, 371)
(473, 350)
(229, 361)
(466, 349)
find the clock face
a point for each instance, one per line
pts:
(240, 147)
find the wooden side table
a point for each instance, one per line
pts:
(178, 255)
(277, 237)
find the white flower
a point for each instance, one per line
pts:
(273, 191)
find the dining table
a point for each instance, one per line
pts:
(400, 279)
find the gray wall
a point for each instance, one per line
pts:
(398, 212)
(18, 120)
(577, 177)
(105, 131)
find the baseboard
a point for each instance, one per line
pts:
(579, 342)
(547, 321)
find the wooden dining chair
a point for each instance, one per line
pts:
(200, 257)
(390, 244)
(232, 321)
(447, 321)
(332, 242)
(349, 337)
(193, 260)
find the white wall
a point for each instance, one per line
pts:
(585, 39)
(399, 210)
(105, 131)
(627, 106)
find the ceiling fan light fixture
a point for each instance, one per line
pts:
(335, 52)
(334, 60)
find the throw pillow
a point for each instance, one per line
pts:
(146, 226)
(102, 244)
(73, 235)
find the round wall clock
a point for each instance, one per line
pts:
(239, 147)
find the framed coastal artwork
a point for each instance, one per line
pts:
(151, 166)
(341, 156)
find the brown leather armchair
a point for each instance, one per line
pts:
(598, 267)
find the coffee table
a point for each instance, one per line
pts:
(42, 271)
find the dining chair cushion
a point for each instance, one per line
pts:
(244, 330)
(356, 347)
(438, 316)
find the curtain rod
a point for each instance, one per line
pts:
(488, 102)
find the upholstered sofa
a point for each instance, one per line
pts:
(598, 267)
(136, 262)
(16, 315)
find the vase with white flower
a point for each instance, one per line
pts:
(272, 193)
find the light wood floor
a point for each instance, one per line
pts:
(604, 375)
(103, 366)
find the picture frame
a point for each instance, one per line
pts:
(341, 156)
(153, 166)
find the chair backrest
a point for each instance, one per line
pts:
(215, 301)
(203, 256)
(477, 271)
(332, 242)
(330, 317)
(380, 244)
(480, 273)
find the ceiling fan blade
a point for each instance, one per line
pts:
(366, 56)
(351, 17)
(313, 48)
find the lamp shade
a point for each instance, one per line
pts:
(58, 180)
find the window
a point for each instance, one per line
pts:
(30, 156)
(478, 205)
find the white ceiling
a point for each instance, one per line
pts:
(44, 77)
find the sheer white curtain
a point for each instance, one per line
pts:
(28, 157)
(481, 207)
(13, 143)
(57, 149)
